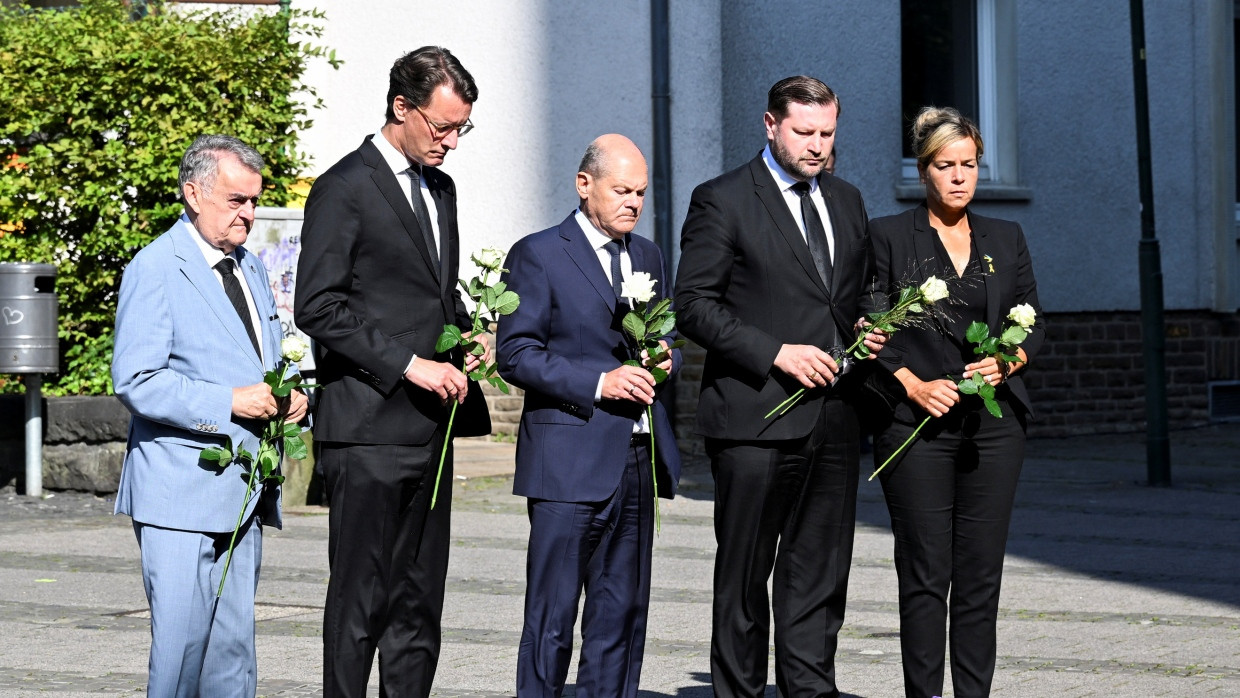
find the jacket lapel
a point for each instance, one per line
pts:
(268, 339)
(584, 256)
(985, 248)
(392, 192)
(444, 216)
(203, 279)
(768, 192)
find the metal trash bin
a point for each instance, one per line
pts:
(28, 318)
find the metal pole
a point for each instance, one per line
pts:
(34, 434)
(661, 123)
(1153, 333)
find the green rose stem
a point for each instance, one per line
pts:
(447, 438)
(268, 457)
(786, 405)
(654, 475)
(900, 450)
(249, 492)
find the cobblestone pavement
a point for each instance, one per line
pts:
(1111, 588)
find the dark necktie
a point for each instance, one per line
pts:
(815, 233)
(236, 296)
(614, 247)
(420, 212)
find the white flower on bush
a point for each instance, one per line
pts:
(293, 348)
(1023, 315)
(639, 286)
(488, 258)
(933, 290)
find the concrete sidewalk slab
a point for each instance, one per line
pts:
(1111, 587)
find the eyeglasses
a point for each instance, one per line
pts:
(440, 131)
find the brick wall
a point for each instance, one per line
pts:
(1089, 377)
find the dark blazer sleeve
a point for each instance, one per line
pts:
(708, 256)
(525, 340)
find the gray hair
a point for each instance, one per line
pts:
(201, 163)
(595, 160)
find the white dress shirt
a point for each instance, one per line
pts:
(400, 167)
(213, 255)
(598, 240)
(793, 199)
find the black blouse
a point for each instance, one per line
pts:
(966, 305)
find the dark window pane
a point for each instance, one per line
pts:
(938, 59)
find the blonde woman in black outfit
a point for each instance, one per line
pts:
(950, 493)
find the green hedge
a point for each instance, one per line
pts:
(96, 110)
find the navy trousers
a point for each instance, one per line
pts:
(605, 548)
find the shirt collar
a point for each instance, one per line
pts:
(393, 157)
(785, 180)
(594, 236)
(212, 254)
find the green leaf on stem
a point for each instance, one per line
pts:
(295, 448)
(634, 327)
(971, 385)
(977, 332)
(993, 408)
(506, 303)
(1013, 336)
(451, 337)
(659, 374)
(499, 384)
(217, 454)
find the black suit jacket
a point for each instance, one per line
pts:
(746, 285)
(903, 246)
(370, 296)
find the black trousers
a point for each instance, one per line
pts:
(787, 507)
(605, 548)
(950, 497)
(388, 555)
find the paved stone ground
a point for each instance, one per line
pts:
(1111, 588)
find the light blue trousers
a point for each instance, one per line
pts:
(201, 646)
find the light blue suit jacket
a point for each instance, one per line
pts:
(180, 350)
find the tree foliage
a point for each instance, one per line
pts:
(97, 110)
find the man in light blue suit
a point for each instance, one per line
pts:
(193, 339)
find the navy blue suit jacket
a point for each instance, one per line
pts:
(564, 335)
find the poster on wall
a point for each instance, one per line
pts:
(276, 239)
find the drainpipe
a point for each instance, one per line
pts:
(1154, 338)
(661, 123)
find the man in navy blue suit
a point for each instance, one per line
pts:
(583, 452)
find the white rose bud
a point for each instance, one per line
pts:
(293, 348)
(933, 290)
(1023, 315)
(639, 286)
(488, 258)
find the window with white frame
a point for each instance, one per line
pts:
(962, 54)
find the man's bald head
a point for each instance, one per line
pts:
(611, 183)
(599, 157)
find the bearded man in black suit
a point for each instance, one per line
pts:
(774, 261)
(376, 283)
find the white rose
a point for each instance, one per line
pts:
(1023, 315)
(293, 348)
(639, 286)
(488, 258)
(933, 290)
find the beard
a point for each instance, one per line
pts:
(792, 165)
